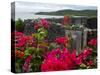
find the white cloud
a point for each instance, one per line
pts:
(41, 7)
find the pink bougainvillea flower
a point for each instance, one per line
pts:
(79, 60)
(93, 42)
(90, 63)
(44, 23)
(25, 40)
(26, 65)
(62, 40)
(62, 59)
(57, 60)
(87, 52)
(83, 56)
(19, 33)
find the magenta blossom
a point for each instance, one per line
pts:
(57, 60)
(90, 63)
(44, 23)
(83, 56)
(93, 42)
(62, 40)
(25, 40)
(87, 52)
(26, 65)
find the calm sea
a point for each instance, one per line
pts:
(24, 16)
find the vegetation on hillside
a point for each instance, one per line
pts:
(71, 13)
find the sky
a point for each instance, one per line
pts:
(47, 7)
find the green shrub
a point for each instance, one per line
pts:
(19, 25)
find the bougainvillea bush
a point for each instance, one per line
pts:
(34, 53)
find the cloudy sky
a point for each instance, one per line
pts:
(43, 7)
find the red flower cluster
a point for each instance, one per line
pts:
(62, 40)
(19, 54)
(90, 63)
(93, 42)
(87, 52)
(25, 40)
(43, 23)
(19, 33)
(84, 55)
(26, 66)
(57, 60)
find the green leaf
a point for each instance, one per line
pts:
(28, 51)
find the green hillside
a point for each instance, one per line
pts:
(71, 13)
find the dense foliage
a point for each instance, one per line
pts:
(19, 25)
(34, 53)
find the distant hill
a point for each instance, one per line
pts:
(71, 13)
